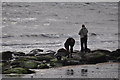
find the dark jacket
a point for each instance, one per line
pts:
(70, 42)
(83, 32)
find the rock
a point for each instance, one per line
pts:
(70, 62)
(29, 62)
(96, 57)
(7, 55)
(73, 62)
(109, 55)
(43, 66)
(50, 52)
(34, 52)
(16, 64)
(76, 51)
(5, 66)
(30, 65)
(61, 52)
(87, 3)
(19, 54)
(85, 51)
(88, 50)
(18, 71)
(41, 54)
(93, 34)
(116, 53)
(34, 58)
(102, 51)
(118, 59)
(52, 64)
(59, 58)
(19, 62)
(44, 58)
(46, 53)
(118, 50)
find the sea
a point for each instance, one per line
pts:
(47, 25)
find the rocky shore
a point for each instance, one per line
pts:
(22, 63)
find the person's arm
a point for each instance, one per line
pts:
(79, 32)
(87, 30)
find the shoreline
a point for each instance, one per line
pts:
(49, 64)
(61, 71)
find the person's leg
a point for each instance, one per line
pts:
(82, 41)
(71, 46)
(71, 51)
(72, 43)
(85, 43)
(67, 48)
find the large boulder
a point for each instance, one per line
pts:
(96, 57)
(116, 53)
(5, 66)
(7, 55)
(107, 52)
(34, 52)
(62, 52)
(30, 65)
(19, 62)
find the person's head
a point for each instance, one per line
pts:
(70, 38)
(83, 25)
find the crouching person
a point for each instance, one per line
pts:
(70, 42)
(60, 53)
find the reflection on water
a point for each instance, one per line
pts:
(84, 72)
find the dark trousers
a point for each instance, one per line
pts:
(71, 49)
(84, 43)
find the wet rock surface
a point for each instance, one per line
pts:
(49, 59)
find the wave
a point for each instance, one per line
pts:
(26, 44)
(7, 36)
(108, 41)
(47, 35)
(44, 35)
(50, 35)
(19, 19)
(41, 35)
(10, 4)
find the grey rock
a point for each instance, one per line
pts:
(34, 52)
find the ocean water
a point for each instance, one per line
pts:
(46, 25)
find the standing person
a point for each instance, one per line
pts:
(83, 37)
(69, 43)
